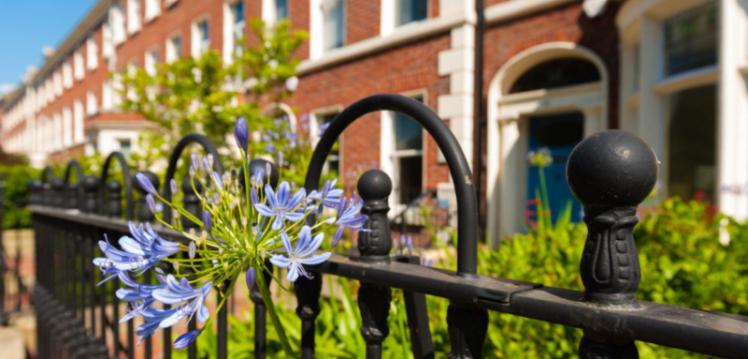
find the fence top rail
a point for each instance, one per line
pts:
(699, 331)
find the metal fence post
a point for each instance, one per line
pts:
(374, 245)
(610, 173)
(269, 174)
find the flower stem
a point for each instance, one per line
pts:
(273, 314)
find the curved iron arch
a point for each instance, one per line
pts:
(462, 178)
(120, 159)
(171, 169)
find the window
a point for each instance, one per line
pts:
(117, 23)
(107, 46)
(107, 95)
(333, 15)
(274, 10)
(78, 65)
(67, 127)
(407, 158)
(152, 9)
(234, 28)
(78, 122)
(173, 48)
(691, 40)
(133, 16)
(92, 58)
(67, 75)
(332, 163)
(692, 144)
(92, 106)
(408, 11)
(150, 62)
(124, 145)
(200, 37)
(556, 73)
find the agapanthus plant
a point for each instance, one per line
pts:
(240, 230)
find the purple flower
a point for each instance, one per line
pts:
(139, 252)
(207, 221)
(173, 186)
(145, 183)
(249, 277)
(241, 133)
(179, 291)
(152, 205)
(329, 196)
(134, 291)
(348, 217)
(302, 254)
(186, 338)
(282, 206)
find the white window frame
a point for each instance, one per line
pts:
(107, 43)
(78, 66)
(67, 74)
(78, 133)
(92, 104)
(317, 18)
(388, 16)
(107, 96)
(152, 9)
(389, 155)
(197, 45)
(269, 13)
(172, 53)
(150, 61)
(92, 53)
(315, 124)
(231, 32)
(117, 25)
(133, 16)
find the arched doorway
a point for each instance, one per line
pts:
(544, 100)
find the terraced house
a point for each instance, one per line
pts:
(509, 77)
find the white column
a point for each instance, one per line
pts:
(732, 117)
(652, 112)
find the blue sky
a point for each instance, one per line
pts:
(26, 26)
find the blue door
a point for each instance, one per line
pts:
(558, 134)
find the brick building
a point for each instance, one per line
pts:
(549, 72)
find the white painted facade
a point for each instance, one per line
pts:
(646, 89)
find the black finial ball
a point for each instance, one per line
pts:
(612, 168)
(264, 166)
(374, 184)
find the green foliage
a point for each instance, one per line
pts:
(205, 95)
(15, 195)
(683, 263)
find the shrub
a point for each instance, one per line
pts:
(15, 195)
(683, 263)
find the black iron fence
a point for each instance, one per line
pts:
(610, 173)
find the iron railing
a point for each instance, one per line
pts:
(610, 172)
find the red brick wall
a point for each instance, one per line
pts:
(362, 20)
(403, 69)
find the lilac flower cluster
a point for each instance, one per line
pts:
(239, 230)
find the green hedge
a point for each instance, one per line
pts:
(16, 179)
(683, 263)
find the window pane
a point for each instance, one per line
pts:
(238, 10)
(692, 143)
(281, 9)
(410, 178)
(556, 73)
(408, 133)
(411, 10)
(691, 40)
(334, 24)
